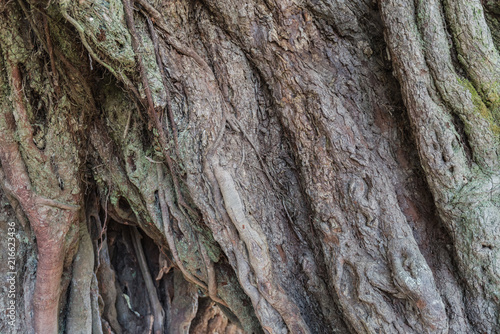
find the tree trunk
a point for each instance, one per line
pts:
(250, 167)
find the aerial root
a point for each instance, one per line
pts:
(158, 313)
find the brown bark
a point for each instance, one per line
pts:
(278, 166)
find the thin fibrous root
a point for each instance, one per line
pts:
(129, 18)
(158, 20)
(170, 113)
(121, 76)
(169, 234)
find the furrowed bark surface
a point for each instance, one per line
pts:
(252, 166)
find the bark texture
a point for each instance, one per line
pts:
(255, 166)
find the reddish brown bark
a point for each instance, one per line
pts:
(49, 219)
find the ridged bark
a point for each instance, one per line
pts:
(258, 166)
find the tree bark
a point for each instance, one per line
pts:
(251, 167)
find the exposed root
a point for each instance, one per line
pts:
(169, 233)
(453, 90)
(94, 300)
(129, 18)
(427, 117)
(257, 247)
(46, 296)
(267, 314)
(415, 280)
(212, 280)
(80, 304)
(184, 305)
(48, 227)
(235, 248)
(467, 215)
(165, 204)
(158, 313)
(106, 275)
(476, 49)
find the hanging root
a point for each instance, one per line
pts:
(102, 229)
(212, 281)
(158, 312)
(50, 50)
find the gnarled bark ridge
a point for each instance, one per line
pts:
(256, 166)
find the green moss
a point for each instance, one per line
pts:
(190, 255)
(492, 99)
(63, 39)
(14, 46)
(494, 24)
(103, 23)
(492, 114)
(229, 289)
(213, 250)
